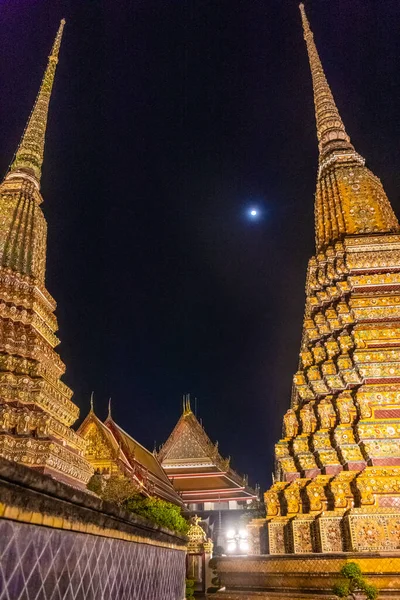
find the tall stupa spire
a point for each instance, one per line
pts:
(36, 407)
(330, 129)
(338, 462)
(350, 200)
(29, 156)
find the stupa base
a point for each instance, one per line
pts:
(308, 576)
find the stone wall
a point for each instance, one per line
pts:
(57, 543)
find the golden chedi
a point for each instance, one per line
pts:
(36, 410)
(337, 484)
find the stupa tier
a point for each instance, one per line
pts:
(36, 409)
(337, 480)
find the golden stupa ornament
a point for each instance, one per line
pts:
(337, 480)
(36, 410)
(198, 541)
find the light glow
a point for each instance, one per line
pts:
(254, 213)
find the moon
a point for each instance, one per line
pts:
(253, 213)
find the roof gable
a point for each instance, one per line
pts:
(100, 442)
(189, 441)
(186, 446)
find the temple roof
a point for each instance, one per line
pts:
(189, 445)
(194, 464)
(114, 445)
(134, 450)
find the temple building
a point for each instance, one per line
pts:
(112, 451)
(208, 485)
(36, 409)
(337, 485)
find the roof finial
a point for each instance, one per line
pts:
(92, 402)
(186, 404)
(109, 409)
(331, 132)
(29, 156)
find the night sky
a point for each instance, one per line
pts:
(168, 120)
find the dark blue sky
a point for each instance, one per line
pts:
(167, 120)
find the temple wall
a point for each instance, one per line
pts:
(57, 543)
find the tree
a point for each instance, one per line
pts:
(96, 484)
(118, 488)
(354, 582)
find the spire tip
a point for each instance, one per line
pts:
(28, 158)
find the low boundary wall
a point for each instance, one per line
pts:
(58, 543)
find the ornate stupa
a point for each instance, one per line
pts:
(337, 480)
(36, 410)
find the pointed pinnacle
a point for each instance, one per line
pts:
(331, 132)
(29, 156)
(306, 24)
(92, 402)
(109, 409)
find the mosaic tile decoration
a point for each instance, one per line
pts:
(39, 563)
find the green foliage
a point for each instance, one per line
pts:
(216, 582)
(189, 584)
(117, 489)
(351, 571)
(96, 484)
(342, 590)
(189, 589)
(158, 511)
(354, 582)
(121, 490)
(370, 591)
